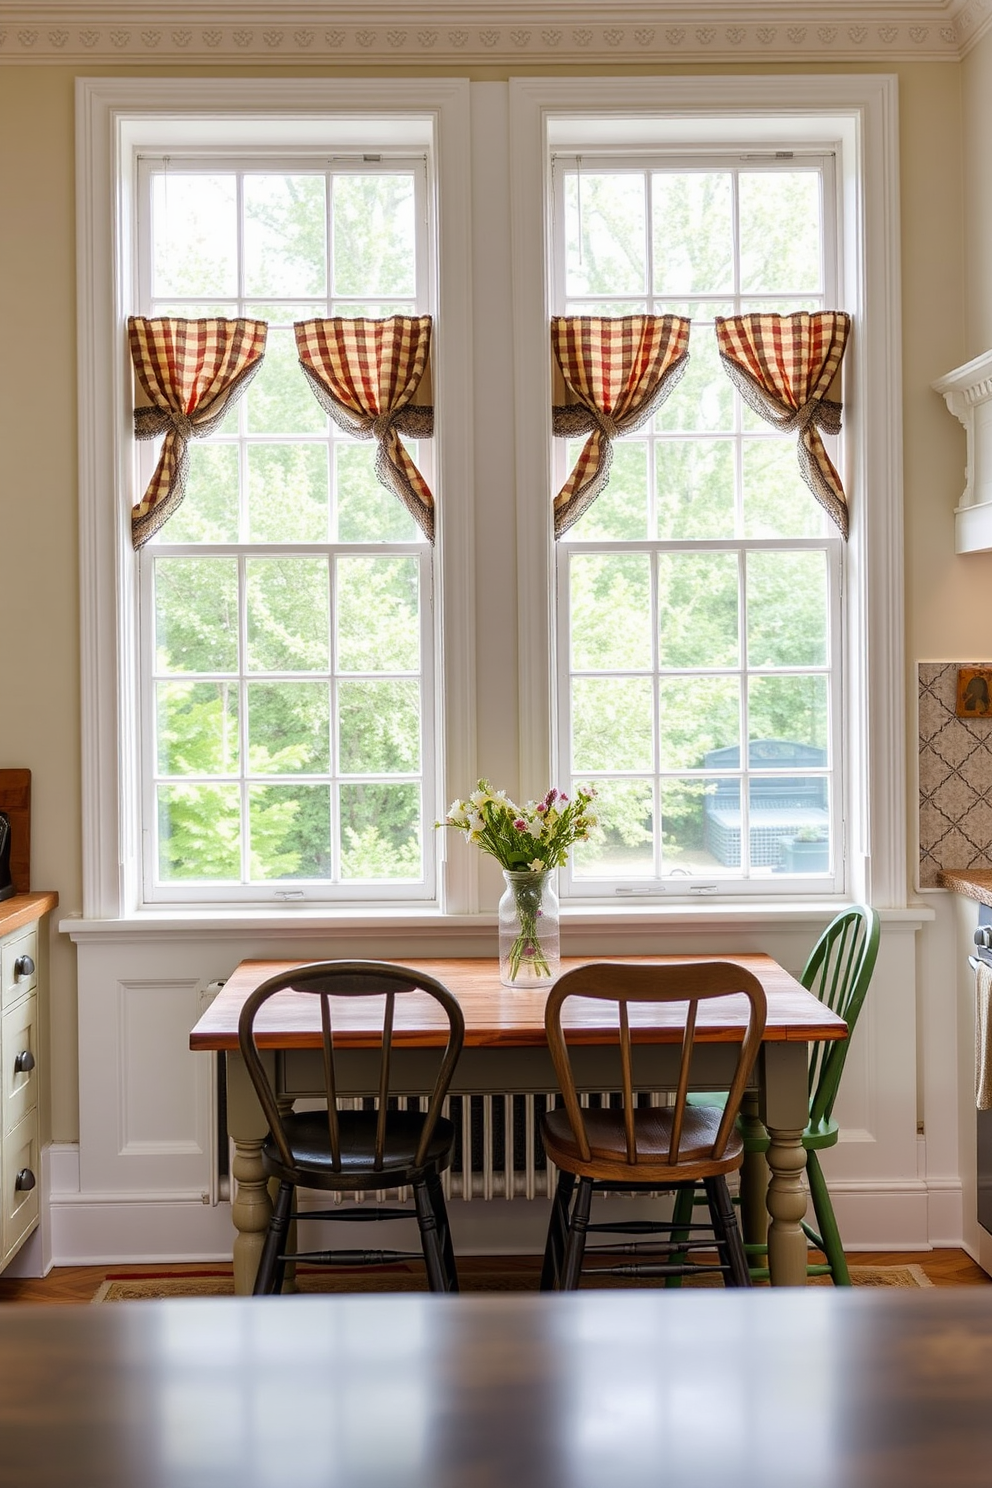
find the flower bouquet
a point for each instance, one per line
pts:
(528, 842)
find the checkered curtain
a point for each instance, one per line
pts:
(783, 366)
(366, 374)
(616, 371)
(191, 372)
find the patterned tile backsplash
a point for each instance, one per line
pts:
(955, 777)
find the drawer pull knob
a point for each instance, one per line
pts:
(24, 966)
(25, 1181)
(24, 1063)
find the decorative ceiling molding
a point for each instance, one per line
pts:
(473, 32)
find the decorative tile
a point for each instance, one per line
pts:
(955, 777)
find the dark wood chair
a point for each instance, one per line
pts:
(645, 1149)
(355, 1151)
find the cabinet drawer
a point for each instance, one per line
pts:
(18, 965)
(20, 1164)
(19, 1052)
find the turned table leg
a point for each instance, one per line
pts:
(785, 1102)
(251, 1203)
(754, 1176)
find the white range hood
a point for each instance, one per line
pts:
(967, 392)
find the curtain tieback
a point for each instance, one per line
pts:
(607, 425)
(817, 411)
(150, 422)
(381, 426)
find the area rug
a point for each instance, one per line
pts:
(146, 1286)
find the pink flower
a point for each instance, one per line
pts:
(520, 824)
(542, 807)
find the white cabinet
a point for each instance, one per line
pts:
(21, 985)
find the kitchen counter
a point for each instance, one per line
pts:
(974, 883)
(24, 909)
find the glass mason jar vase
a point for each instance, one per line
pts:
(529, 950)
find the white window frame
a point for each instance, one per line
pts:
(715, 880)
(117, 119)
(857, 118)
(154, 889)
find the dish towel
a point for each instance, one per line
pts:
(983, 1036)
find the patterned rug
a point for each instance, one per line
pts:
(146, 1286)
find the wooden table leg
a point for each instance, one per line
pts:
(754, 1176)
(251, 1204)
(785, 1109)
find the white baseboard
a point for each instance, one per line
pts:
(95, 1229)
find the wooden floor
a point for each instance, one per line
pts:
(79, 1283)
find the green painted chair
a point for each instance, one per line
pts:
(839, 970)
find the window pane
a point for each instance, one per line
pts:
(697, 609)
(378, 728)
(612, 724)
(789, 708)
(790, 824)
(704, 399)
(197, 728)
(786, 609)
(604, 233)
(695, 481)
(279, 399)
(290, 831)
(611, 611)
(287, 615)
(289, 727)
(366, 511)
(196, 614)
(693, 232)
(195, 235)
(780, 231)
(199, 828)
(777, 501)
(688, 828)
(209, 510)
(621, 511)
(375, 243)
(285, 235)
(623, 846)
(378, 614)
(287, 492)
(380, 832)
(697, 714)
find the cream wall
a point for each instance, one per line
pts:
(38, 596)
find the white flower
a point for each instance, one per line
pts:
(536, 828)
(536, 865)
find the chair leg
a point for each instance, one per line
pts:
(554, 1250)
(271, 1270)
(575, 1245)
(724, 1219)
(437, 1281)
(826, 1222)
(436, 1194)
(685, 1198)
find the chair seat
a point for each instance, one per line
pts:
(308, 1138)
(653, 1131)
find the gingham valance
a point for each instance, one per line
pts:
(618, 371)
(191, 372)
(365, 374)
(783, 366)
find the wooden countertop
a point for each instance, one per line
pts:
(974, 883)
(24, 909)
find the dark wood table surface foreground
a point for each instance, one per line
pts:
(763, 1389)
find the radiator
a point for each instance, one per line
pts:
(498, 1150)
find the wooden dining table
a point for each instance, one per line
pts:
(829, 1388)
(505, 1050)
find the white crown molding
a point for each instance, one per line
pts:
(401, 33)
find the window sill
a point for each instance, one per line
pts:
(416, 924)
